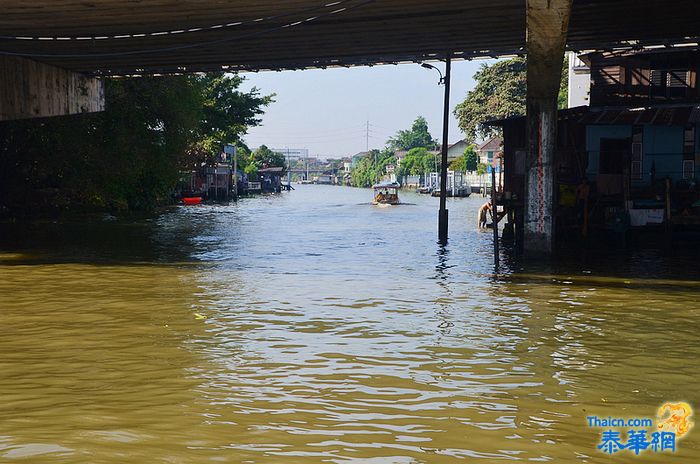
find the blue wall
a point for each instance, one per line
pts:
(662, 145)
(593, 136)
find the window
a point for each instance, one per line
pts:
(657, 78)
(688, 169)
(637, 160)
(678, 78)
(669, 83)
(689, 143)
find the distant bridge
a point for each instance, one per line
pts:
(312, 171)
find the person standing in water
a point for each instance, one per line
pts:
(483, 212)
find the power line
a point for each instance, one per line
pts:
(381, 127)
(316, 142)
(322, 133)
(302, 138)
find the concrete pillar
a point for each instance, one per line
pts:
(29, 89)
(547, 26)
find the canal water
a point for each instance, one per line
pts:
(312, 327)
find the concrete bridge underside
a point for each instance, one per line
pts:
(53, 52)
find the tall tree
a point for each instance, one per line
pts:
(227, 112)
(500, 92)
(418, 161)
(467, 162)
(372, 167)
(263, 157)
(129, 156)
(415, 137)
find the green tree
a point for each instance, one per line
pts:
(471, 158)
(418, 161)
(467, 162)
(263, 157)
(372, 167)
(227, 113)
(500, 92)
(417, 136)
(130, 155)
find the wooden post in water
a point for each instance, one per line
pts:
(235, 174)
(667, 207)
(494, 216)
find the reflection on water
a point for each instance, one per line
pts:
(307, 327)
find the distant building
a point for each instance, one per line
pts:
(630, 158)
(271, 179)
(326, 179)
(400, 155)
(357, 157)
(487, 150)
(456, 150)
(210, 182)
(293, 154)
(579, 82)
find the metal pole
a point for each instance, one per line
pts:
(367, 138)
(443, 213)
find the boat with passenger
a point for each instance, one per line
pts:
(386, 194)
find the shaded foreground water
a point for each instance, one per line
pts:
(308, 327)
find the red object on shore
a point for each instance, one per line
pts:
(192, 200)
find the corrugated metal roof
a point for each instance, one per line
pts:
(663, 116)
(677, 115)
(493, 144)
(148, 36)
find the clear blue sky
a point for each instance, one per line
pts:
(326, 110)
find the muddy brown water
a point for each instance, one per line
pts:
(307, 327)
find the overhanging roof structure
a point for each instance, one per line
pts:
(112, 37)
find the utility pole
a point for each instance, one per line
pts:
(367, 137)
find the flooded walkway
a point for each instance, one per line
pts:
(306, 327)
